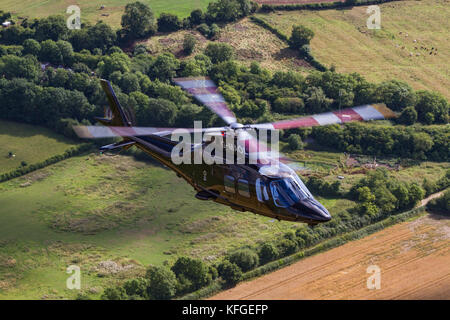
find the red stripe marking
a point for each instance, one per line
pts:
(296, 123)
(348, 115)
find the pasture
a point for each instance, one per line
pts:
(112, 216)
(91, 12)
(28, 143)
(399, 50)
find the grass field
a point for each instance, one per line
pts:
(113, 216)
(90, 9)
(96, 210)
(342, 39)
(28, 143)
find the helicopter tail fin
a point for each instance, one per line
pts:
(115, 116)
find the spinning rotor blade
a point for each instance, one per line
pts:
(259, 150)
(205, 91)
(92, 132)
(361, 113)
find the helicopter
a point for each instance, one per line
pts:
(268, 186)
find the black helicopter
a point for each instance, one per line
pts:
(268, 187)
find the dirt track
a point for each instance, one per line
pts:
(414, 258)
(274, 2)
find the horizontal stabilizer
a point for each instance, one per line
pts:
(117, 145)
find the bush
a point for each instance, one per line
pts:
(287, 247)
(136, 287)
(203, 29)
(213, 272)
(431, 107)
(192, 273)
(162, 283)
(228, 10)
(295, 142)
(245, 259)
(268, 252)
(219, 52)
(168, 22)
(396, 94)
(441, 204)
(196, 17)
(289, 105)
(82, 296)
(213, 31)
(229, 272)
(300, 36)
(138, 20)
(117, 293)
(408, 116)
(31, 46)
(189, 43)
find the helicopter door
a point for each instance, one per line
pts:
(261, 191)
(229, 184)
(243, 188)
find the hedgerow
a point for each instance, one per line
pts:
(81, 148)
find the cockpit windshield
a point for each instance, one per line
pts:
(288, 191)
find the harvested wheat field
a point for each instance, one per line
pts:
(414, 259)
(274, 2)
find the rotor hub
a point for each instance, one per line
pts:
(236, 125)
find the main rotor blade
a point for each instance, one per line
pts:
(361, 113)
(206, 92)
(259, 150)
(92, 132)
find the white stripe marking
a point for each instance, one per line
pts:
(211, 97)
(188, 84)
(326, 118)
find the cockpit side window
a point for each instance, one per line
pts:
(280, 198)
(303, 189)
(261, 190)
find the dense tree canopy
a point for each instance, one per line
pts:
(138, 20)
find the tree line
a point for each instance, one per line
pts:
(69, 87)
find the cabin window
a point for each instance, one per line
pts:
(243, 188)
(229, 184)
(261, 191)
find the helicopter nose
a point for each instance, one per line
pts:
(312, 209)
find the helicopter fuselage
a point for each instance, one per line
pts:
(241, 186)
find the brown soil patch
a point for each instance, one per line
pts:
(413, 258)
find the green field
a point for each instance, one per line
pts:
(89, 209)
(342, 39)
(90, 9)
(93, 210)
(28, 143)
